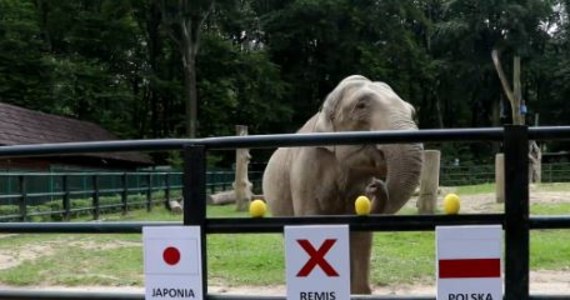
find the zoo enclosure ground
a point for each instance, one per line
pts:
(403, 262)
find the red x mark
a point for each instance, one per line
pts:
(317, 258)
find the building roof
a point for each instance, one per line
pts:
(20, 126)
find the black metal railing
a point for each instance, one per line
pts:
(515, 221)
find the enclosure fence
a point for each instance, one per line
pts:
(515, 221)
(61, 195)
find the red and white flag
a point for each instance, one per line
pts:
(468, 262)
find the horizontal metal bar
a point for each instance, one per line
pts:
(80, 227)
(260, 141)
(58, 174)
(282, 140)
(275, 225)
(103, 206)
(17, 294)
(67, 295)
(45, 213)
(5, 217)
(44, 194)
(369, 297)
(91, 147)
(550, 222)
(265, 225)
(549, 133)
(352, 138)
(362, 223)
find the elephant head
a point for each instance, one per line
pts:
(358, 104)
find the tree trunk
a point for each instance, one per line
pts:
(242, 185)
(515, 98)
(439, 112)
(189, 51)
(191, 99)
(518, 117)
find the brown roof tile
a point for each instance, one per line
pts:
(19, 126)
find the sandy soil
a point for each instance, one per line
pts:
(542, 281)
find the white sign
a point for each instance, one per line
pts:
(317, 262)
(469, 262)
(172, 262)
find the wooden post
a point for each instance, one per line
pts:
(429, 182)
(242, 185)
(500, 178)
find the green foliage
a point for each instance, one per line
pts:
(6, 210)
(270, 64)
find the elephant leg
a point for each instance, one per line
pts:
(360, 249)
(276, 188)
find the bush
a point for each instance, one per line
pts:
(6, 210)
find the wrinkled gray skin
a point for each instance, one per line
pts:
(326, 180)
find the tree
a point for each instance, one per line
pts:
(25, 77)
(185, 19)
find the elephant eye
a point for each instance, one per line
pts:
(361, 105)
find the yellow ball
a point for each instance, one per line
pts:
(451, 204)
(362, 205)
(257, 208)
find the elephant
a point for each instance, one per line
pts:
(326, 180)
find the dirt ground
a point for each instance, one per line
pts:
(542, 282)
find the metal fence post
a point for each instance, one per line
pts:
(96, 207)
(516, 213)
(167, 189)
(194, 193)
(550, 173)
(23, 198)
(124, 193)
(149, 192)
(66, 202)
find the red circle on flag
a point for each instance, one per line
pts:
(171, 255)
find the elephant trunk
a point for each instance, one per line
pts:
(404, 167)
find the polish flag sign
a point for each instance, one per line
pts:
(469, 262)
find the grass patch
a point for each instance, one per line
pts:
(550, 250)
(550, 209)
(73, 266)
(246, 259)
(404, 257)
